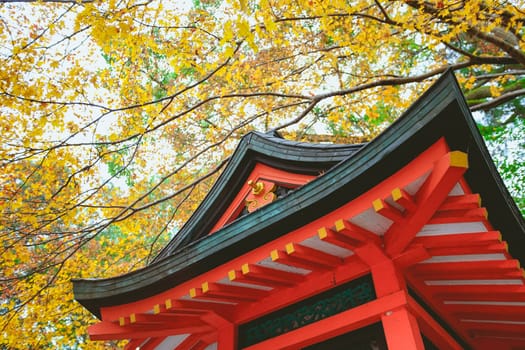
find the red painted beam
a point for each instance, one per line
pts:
(200, 346)
(264, 272)
(445, 174)
(485, 313)
(133, 344)
(504, 296)
(111, 331)
(476, 272)
(151, 344)
(203, 295)
(483, 342)
(501, 329)
(328, 235)
(414, 254)
(404, 199)
(237, 276)
(240, 292)
(191, 342)
(459, 239)
(227, 337)
(148, 320)
(466, 201)
(478, 293)
(330, 327)
(224, 310)
(401, 330)
(511, 313)
(432, 329)
(282, 257)
(490, 248)
(197, 341)
(165, 318)
(425, 293)
(171, 308)
(372, 254)
(445, 268)
(460, 215)
(356, 232)
(300, 252)
(388, 211)
(387, 278)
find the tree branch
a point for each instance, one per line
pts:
(498, 100)
(50, 1)
(515, 53)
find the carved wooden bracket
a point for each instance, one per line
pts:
(262, 193)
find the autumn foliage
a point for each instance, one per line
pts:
(116, 116)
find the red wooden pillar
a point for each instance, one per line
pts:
(225, 330)
(400, 326)
(227, 336)
(401, 330)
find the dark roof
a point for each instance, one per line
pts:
(440, 112)
(256, 147)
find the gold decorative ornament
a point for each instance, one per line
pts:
(262, 193)
(257, 187)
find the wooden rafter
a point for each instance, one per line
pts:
(108, 330)
(151, 344)
(445, 174)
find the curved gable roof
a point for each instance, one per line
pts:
(256, 147)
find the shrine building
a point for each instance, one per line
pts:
(410, 241)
